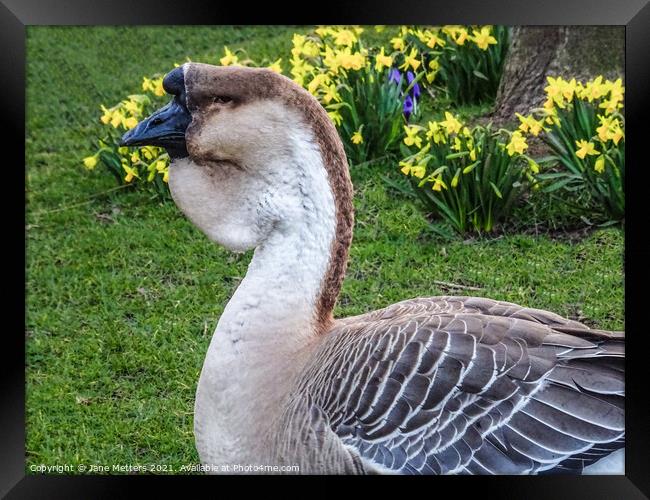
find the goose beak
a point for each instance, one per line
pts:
(164, 128)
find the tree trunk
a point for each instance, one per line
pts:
(580, 52)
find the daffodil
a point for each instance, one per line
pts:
(609, 129)
(555, 90)
(585, 148)
(451, 123)
(298, 41)
(534, 166)
(357, 138)
(331, 60)
(434, 66)
(336, 117)
(230, 59)
(318, 80)
(345, 38)
(398, 43)
(130, 122)
(135, 157)
(383, 61)
(350, 60)
(517, 144)
(434, 40)
(276, 67)
(483, 38)
(461, 37)
(411, 60)
(90, 162)
(599, 166)
(117, 119)
(330, 94)
(438, 184)
(436, 132)
(412, 137)
(166, 176)
(454, 181)
(594, 89)
(529, 124)
(106, 116)
(130, 173)
(415, 170)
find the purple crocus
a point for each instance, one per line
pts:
(408, 106)
(394, 76)
(416, 88)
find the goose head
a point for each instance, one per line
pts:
(248, 147)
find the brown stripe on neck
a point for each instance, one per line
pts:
(336, 164)
(204, 81)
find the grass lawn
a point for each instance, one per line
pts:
(123, 293)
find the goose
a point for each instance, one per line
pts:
(435, 385)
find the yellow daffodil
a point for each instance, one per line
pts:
(350, 60)
(436, 132)
(130, 173)
(454, 181)
(599, 166)
(383, 61)
(439, 184)
(534, 166)
(330, 95)
(594, 89)
(320, 79)
(230, 59)
(131, 106)
(555, 90)
(617, 134)
(517, 144)
(415, 170)
(380, 28)
(398, 43)
(276, 67)
(411, 60)
(331, 60)
(336, 117)
(434, 40)
(323, 31)
(412, 137)
(610, 106)
(434, 66)
(90, 162)
(357, 138)
(609, 129)
(106, 116)
(345, 38)
(298, 42)
(135, 157)
(529, 124)
(451, 123)
(166, 176)
(483, 38)
(472, 154)
(117, 119)
(130, 122)
(458, 145)
(461, 36)
(585, 148)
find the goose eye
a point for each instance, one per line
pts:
(221, 99)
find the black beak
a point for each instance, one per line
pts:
(165, 128)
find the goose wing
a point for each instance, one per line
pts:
(462, 385)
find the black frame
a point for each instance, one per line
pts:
(15, 15)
